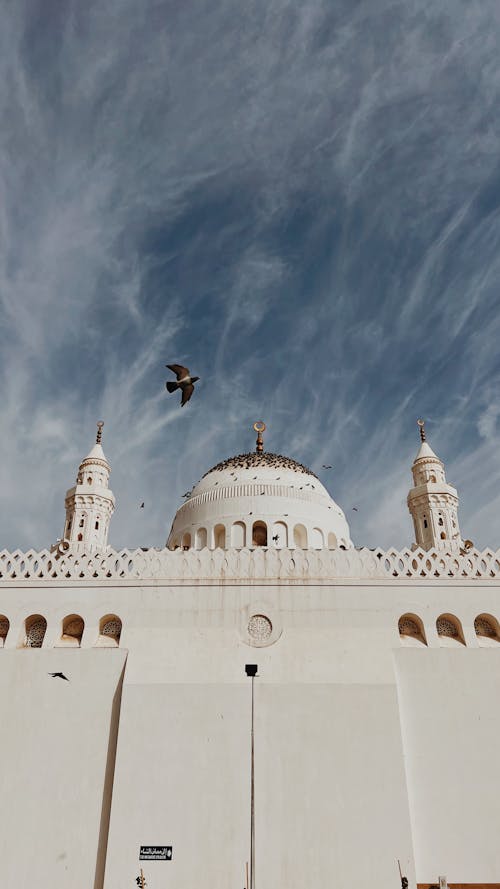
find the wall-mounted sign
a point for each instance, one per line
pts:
(155, 853)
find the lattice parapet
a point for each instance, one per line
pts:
(246, 564)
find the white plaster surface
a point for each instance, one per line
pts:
(451, 727)
(54, 739)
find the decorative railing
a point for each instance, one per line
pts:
(245, 564)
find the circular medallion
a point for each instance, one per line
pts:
(259, 628)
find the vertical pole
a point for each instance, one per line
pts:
(252, 807)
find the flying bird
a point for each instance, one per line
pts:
(355, 508)
(58, 676)
(326, 466)
(141, 506)
(276, 538)
(185, 382)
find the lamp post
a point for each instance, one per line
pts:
(251, 671)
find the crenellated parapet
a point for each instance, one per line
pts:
(242, 565)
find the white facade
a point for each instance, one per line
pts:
(89, 504)
(375, 723)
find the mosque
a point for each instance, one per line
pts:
(261, 703)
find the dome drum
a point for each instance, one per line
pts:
(260, 499)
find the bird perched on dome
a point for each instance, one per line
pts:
(185, 382)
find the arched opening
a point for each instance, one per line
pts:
(442, 535)
(72, 630)
(411, 630)
(238, 535)
(317, 539)
(110, 630)
(220, 537)
(487, 629)
(300, 537)
(201, 538)
(4, 629)
(449, 630)
(279, 535)
(433, 479)
(332, 541)
(36, 627)
(259, 534)
(186, 541)
(80, 537)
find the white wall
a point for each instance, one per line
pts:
(54, 742)
(451, 725)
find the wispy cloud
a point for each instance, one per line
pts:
(299, 201)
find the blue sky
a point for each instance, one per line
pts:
(300, 201)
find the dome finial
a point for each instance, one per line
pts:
(100, 424)
(259, 427)
(421, 425)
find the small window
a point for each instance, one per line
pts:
(82, 521)
(219, 536)
(110, 630)
(97, 525)
(80, 537)
(259, 534)
(89, 480)
(443, 535)
(486, 628)
(36, 627)
(186, 541)
(440, 521)
(4, 629)
(425, 523)
(411, 629)
(449, 630)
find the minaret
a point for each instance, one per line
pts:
(90, 503)
(433, 503)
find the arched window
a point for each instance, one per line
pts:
(443, 535)
(36, 627)
(279, 535)
(110, 630)
(332, 541)
(201, 538)
(220, 537)
(4, 629)
(72, 630)
(259, 534)
(487, 629)
(425, 522)
(80, 537)
(411, 630)
(433, 479)
(449, 630)
(238, 534)
(186, 541)
(300, 537)
(317, 539)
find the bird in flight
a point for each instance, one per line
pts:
(326, 466)
(141, 506)
(185, 382)
(276, 538)
(355, 508)
(59, 676)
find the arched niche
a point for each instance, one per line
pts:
(72, 630)
(279, 535)
(449, 630)
(186, 541)
(201, 538)
(332, 541)
(487, 630)
(110, 630)
(219, 537)
(300, 537)
(4, 629)
(411, 630)
(36, 627)
(317, 539)
(259, 534)
(238, 535)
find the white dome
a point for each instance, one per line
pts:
(259, 500)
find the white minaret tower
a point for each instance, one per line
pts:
(90, 503)
(433, 503)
